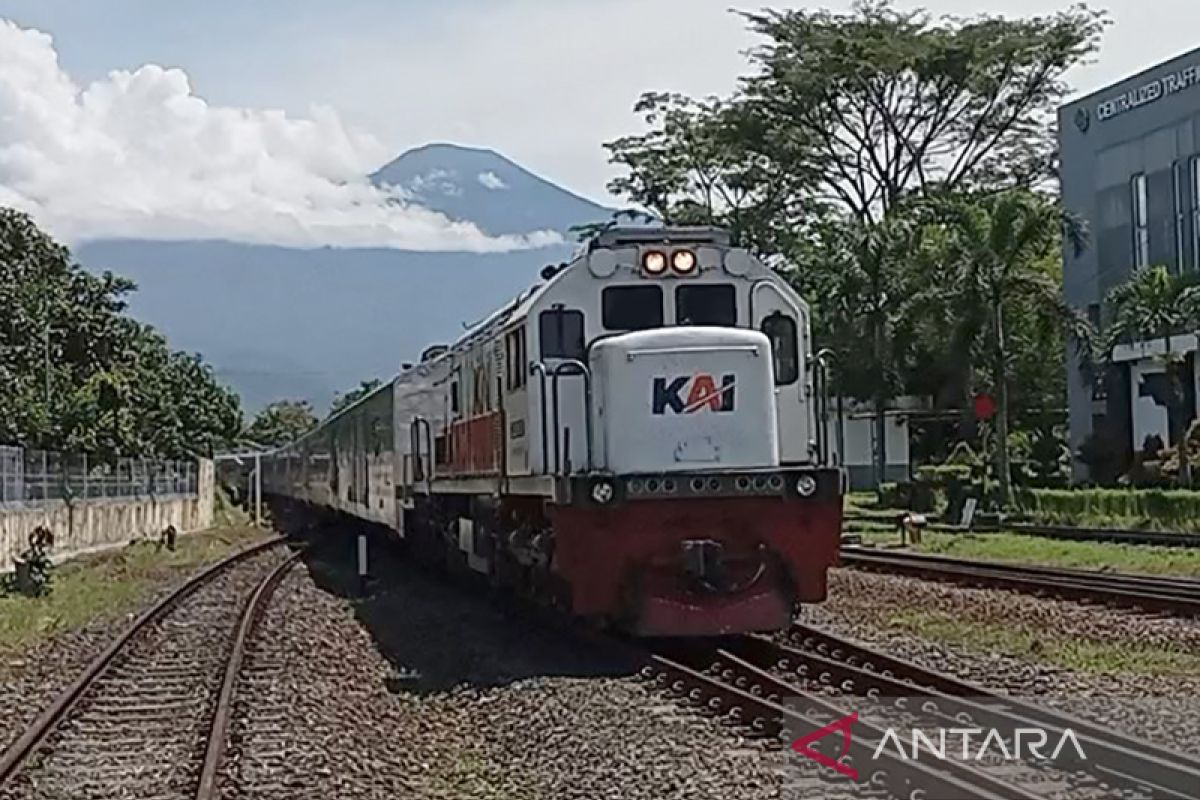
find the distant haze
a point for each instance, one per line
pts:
(288, 323)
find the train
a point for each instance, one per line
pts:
(637, 440)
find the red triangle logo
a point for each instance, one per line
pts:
(844, 724)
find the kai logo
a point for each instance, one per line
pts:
(701, 393)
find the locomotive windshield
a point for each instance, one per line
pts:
(632, 308)
(706, 304)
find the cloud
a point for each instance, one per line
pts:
(491, 180)
(139, 155)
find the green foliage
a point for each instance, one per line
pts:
(1165, 509)
(281, 422)
(943, 474)
(344, 401)
(848, 130)
(77, 374)
(1155, 305)
(895, 495)
(34, 569)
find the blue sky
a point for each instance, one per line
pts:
(543, 81)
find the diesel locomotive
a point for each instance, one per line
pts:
(639, 439)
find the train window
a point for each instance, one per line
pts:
(561, 332)
(781, 331)
(706, 305)
(632, 308)
(522, 364)
(515, 362)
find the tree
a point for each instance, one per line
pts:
(1155, 305)
(344, 401)
(281, 422)
(77, 374)
(711, 162)
(846, 122)
(994, 252)
(888, 103)
(862, 295)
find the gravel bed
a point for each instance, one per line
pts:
(423, 690)
(30, 681)
(1164, 709)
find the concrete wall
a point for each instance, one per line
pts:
(98, 524)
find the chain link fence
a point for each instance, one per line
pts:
(31, 476)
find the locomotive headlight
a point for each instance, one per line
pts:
(806, 486)
(654, 262)
(684, 262)
(603, 492)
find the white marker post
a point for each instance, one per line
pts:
(362, 563)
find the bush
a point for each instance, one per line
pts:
(1157, 508)
(941, 475)
(895, 495)
(34, 569)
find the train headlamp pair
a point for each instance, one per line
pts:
(682, 262)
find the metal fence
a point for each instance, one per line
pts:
(30, 476)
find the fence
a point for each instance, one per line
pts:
(31, 476)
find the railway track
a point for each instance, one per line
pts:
(149, 717)
(815, 681)
(1179, 596)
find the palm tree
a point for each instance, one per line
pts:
(1156, 305)
(867, 301)
(994, 250)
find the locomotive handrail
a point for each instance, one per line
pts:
(825, 356)
(759, 284)
(716, 348)
(576, 367)
(540, 368)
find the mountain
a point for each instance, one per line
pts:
(281, 323)
(285, 323)
(484, 187)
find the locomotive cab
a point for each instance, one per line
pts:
(682, 437)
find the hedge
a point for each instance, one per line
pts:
(942, 474)
(1158, 508)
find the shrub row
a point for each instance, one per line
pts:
(1158, 508)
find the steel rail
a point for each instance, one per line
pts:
(1133, 761)
(742, 687)
(218, 735)
(15, 756)
(1179, 596)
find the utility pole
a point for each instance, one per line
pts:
(257, 490)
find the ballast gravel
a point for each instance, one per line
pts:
(31, 680)
(420, 690)
(1162, 708)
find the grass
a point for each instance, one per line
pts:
(1084, 655)
(1013, 548)
(107, 585)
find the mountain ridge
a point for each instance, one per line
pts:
(307, 323)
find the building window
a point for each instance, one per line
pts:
(1195, 212)
(632, 308)
(1141, 223)
(1178, 183)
